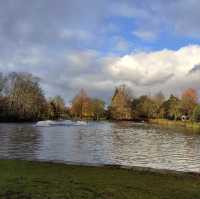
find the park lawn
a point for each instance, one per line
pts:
(28, 180)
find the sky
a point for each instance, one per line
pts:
(150, 46)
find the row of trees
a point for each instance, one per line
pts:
(126, 107)
(123, 106)
(22, 99)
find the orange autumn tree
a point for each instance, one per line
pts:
(120, 107)
(189, 100)
(82, 105)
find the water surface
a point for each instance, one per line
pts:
(126, 143)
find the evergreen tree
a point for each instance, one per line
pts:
(172, 108)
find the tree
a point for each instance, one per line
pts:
(3, 99)
(172, 108)
(98, 108)
(196, 114)
(146, 108)
(159, 98)
(120, 107)
(189, 101)
(57, 107)
(25, 97)
(4, 108)
(82, 105)
(2, 83)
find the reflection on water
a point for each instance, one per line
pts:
(126, 143)
(18, 141)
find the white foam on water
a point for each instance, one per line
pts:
(49, 123)
(81, 123)
(44, 123)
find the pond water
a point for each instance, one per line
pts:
(125, 143)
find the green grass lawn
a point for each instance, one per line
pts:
(26, 180)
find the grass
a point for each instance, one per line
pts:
(33, 180)
(193, 126)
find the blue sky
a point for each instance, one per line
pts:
(100, 44)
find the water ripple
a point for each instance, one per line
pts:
(126, 143)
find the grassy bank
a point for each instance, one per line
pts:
(28, 180)
(194, 126)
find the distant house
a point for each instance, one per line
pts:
(184, 118)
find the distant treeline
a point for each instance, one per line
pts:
(22, 99)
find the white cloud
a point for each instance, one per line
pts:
(165, 70)
(144, 72)
(80, 60)
(127, 9)
(145, 35)
(120, 44)
(76, 34)
(177, 16)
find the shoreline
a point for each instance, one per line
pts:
(194, 126)
(111, 166)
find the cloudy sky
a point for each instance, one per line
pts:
(99, 44)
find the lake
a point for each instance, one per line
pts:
(123, 143)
